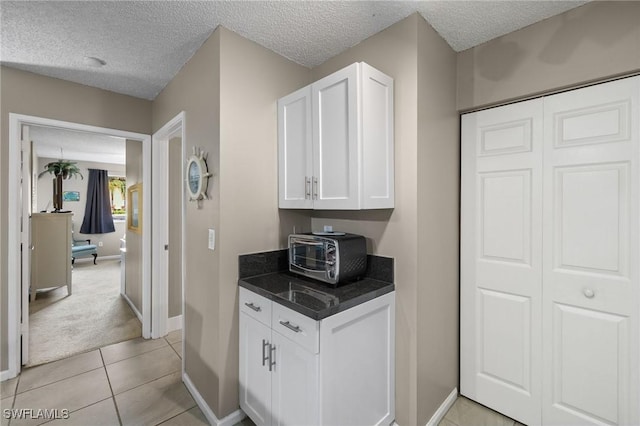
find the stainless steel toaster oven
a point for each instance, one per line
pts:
(329, 257)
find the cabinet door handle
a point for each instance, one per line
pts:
(315, 188)
(265, 357)
(290, 326)
(307, 188)
(272, 357)
(254, 307)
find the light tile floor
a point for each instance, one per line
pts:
(465, 412)
(138, 382)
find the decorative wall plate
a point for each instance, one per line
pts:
(197, 175)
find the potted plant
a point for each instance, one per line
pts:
(61, 169)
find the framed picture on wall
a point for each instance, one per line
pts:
(134, 208)
(71, 196)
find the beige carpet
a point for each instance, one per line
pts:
(95, 314)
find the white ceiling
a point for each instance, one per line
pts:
(145, 43)
(78, 146)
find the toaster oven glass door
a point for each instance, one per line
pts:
(309, 255)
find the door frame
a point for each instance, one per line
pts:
(160, 225)
(14, 267)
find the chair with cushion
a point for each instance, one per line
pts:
(82, 248)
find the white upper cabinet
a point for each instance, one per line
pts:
(335, 142)
(295, 158)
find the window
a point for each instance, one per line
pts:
(117, 191)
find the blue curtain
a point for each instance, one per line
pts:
(97, 213)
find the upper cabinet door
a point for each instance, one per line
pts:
(376, 139)
(335, 140)
(294, 150)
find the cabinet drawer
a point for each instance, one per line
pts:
(255, 306)
(298, 328)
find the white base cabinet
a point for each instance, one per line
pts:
(298, 371)
(335, 142)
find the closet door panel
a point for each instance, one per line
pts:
(501, 259)
(591, 256)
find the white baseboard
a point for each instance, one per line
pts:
(90, 259)
(6, 375)
(174, 323)
(230, 420)
(110, 257)
(135, 310)
(444, 407)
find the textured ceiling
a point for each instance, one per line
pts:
(78, 146)
(145, 43)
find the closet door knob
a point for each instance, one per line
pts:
(588, 293)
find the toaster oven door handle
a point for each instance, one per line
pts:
(290, 326)
(308, 243)
(311, 270)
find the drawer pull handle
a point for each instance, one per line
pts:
(315, 188)
(265, 357)
(290, 326)
(272, 357)
(254, 307)
(588, 293)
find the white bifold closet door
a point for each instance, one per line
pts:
(550, 257)
(501, 265)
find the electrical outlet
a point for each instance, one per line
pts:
(212, 239)
(100, 243)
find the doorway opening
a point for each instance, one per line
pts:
(58, 325)
(168, 228)
(25, 200)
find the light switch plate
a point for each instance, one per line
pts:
(212, 239)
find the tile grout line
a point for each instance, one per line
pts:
(15, 396)
(170, 418)
(179, 370)
(146, 383)
(113, 396)
(57, 381)
(181, 413)
(76, 410)
(174, 349)
(133, 356)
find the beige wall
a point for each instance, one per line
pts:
(196, 91)
(31, 94)
(110, 241)
(252, 78)
(228, 91)
(424, 220)
(175, 226)
(438, 223)
(133, 264)
(590, 43)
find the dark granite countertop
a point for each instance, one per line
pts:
(313, 298)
